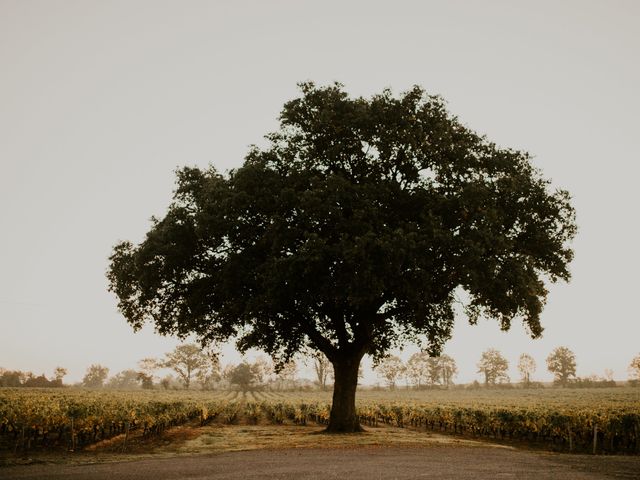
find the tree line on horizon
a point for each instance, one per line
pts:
(191, 364)
(422, 370)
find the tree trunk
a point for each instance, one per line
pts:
(343, 417)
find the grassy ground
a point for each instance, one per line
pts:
(224, 438)
(220, 438)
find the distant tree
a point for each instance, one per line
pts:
(58, 374)
(95, 376)
(423, 369)
(350, 233)
(593, 381)
(391, 368)
(322, 368)
(494, 367)
(13, 378)
(562, 363)
(433, 371)
(475, 385)
(208, 375)
(146, 381)
(146, 370)
(526, 367)
(186, 360)
(286, 376)
(634, 368)
(417, 369)
(168, 381)
(244, 376)
(149, 365)
(37, 381)
(263, 369)
(448, 369)
(125, 380)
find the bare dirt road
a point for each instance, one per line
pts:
(367, 463)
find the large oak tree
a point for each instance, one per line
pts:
(350, 234)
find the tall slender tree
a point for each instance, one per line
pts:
(322, 368)
(58, 374)
(634, 368)
(448, 369)
(526, 367)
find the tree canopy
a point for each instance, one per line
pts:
(562, 363)
(391, 369)
(244, 375)
(188, 360)
(95, 376)
(350, 234)
(494, 367)
(424, 370)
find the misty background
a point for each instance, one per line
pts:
(100, 102)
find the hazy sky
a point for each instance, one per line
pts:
(100, 101)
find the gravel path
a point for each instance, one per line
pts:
(366, 463)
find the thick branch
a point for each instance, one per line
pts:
(320, 342)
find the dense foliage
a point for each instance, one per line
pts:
(350, 234)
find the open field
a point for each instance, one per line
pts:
(81, 425)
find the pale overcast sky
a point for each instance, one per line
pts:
(100, 101)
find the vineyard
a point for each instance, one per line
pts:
(597, 421)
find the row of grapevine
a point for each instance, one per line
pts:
(273, 412)
(593, 429)
(46, 419)
(298, 413)
(597, 422)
